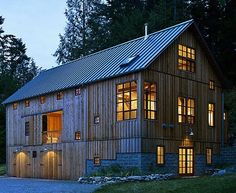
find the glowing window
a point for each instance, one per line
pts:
(96, 161)
(211, 85)
(42, 99)
(27, 103)
(59, 95)
(186, 110)
(209, 156)
(211, 114)
(160, 155)
(14, 106)
(186, 58)
(77, 135)
(150, 100)
(126, 97)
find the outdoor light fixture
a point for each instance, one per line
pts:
(19, 149)
(191, 132)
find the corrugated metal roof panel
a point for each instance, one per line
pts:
(101, 65)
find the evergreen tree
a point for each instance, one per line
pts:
(16, 68)
(73, 43)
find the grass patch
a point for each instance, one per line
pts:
(217, 184)
(2, 169)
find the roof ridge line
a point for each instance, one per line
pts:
(86, 56)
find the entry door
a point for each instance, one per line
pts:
(186, 161)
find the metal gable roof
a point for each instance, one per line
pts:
(101, 65)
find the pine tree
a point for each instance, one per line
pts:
(73, 43)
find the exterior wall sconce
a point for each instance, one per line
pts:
(19, 149)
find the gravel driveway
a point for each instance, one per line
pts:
(19, 185)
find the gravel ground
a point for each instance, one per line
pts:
(19, 185)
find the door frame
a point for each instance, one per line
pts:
(193, 161)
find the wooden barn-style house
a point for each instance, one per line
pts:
(155, 102)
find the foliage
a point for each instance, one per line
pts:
(197, 185)
(116, 170)
(2, 169)
(16, 68)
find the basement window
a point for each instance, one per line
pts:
(96, 161)
(128, 60)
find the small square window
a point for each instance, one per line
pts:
(77, 135)
(212, 85)
(42, 99)
(27, 103)
(59, 95)
(96, 120)
(77, 91)
(97, 161)
(14, 106)
(34, 154)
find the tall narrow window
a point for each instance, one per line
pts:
(27, 128)
(77, 135)
(150, 100)
(186, 110)
(211, 114)
(209, 156)
(186, 59)
(212, 85)
(160, 155)
(126, 95)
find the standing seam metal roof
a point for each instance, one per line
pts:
(101, 65)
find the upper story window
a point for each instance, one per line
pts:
(186, 58)
(186, 110)
(211, 114)
(77, 91)
(14, 106)
(150, 100)
(126, 97)
(212, 85)
(160, 152)
(42, 99)
(96, 120)
(59, 95)
(52, 127)
(27, 103)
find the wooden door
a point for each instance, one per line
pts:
(51, 165)
(186, 161)
(22, 165)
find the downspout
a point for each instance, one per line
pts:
(222, 119)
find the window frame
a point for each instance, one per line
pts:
(130, 110)
(42, 100)
(147, 111)
(211, 156)
(78, 135)
(212, 85)
(27, 128)
(190, 63)
(77, 91)
(162, 157)
(187, 109)
(27, 103)
(96, 161)
(15, 106)
(59, 95)
(213, 111)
